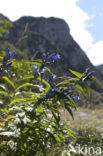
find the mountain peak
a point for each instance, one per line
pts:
(32, 34)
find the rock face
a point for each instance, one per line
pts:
(49, 35)
(100, 67)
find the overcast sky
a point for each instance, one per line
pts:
(85, 19)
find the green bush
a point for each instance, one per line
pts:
(30, 102)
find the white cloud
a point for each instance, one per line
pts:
(66, 9)
(95, 53)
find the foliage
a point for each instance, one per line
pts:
(4, 26)
(87, 139)
(30, 102)
(90, 137)
(87, 128)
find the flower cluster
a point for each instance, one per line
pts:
(88, 75)
(60, 93)
(50, 57)
(5, 63)
(47, 60)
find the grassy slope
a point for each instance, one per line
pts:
(87, 126)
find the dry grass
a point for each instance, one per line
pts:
(85, 117)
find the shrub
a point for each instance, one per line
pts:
(31, 100)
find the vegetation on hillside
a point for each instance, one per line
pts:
(31, 100)
(36, 106)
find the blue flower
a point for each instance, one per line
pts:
(45, 79)
(51, 57)
(74, 98)
(35, 69)
(8, 66)
(8, 56)
(51, 91)
(5, 69)
(41, 87)
(47, 60)
(41, 68)
(5, 65)
(51, 78)
(67, 104)
(88, 76)
(64, 93)
(55, 57)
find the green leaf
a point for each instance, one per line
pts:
(27, 84)
(18, 100)
(46, 83)
(56, 116)
(87, 89)
(71, 101)
(40, 109)
(49, 70)
(4, 110)
(62, 103)
(4, 93)
(23, 100)
(79, 75)
(68, 108)
(27, 77)
(57, 138)
(70, 133)
(28, 101)
(1, 57)
(39, 60)
(93, 77)
(36, 63)
(9, 117)
(80, 89)
(3, 143)
(68, 81)
(25, 145)
(9, 81)
(3, 87)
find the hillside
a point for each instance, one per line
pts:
(30, 36)
(100, 67)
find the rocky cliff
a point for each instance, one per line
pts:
(100, 67)
(38, 35)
